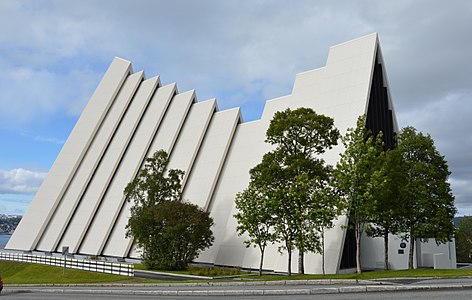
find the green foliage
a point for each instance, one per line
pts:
(464, 240)
(300, 136)
(255, 218)
(289, 187)
(213, 271)
(427, 203)
(302, 131)
(401, 191)
(177, 232)
(386, 190)
(355, 173)
(170, 232)
(153, 184)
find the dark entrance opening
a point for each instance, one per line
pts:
(348, 260)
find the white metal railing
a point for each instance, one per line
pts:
(80, 264)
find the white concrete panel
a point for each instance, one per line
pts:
(245, 152)
(96, 188)
(187, 145)
(189, 141)
(105, 216)
(211, 156)
(118, 210)
(444, 255)
(372, 254)
(426, 252)
(346, 78)
(42, 207)
(172, 123)
(341, 89)
(74, 192)
(135, 252)
(209, 167)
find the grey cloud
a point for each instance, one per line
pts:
(462, 189)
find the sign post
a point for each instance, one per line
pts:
(65, 251)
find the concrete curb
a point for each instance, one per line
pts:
(251, 292)
(214, 283)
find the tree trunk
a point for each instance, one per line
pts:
(386, 267)
(289, 267)
(411, 252)
(301, 266)
(262, 261)
(358, 249)
(323, 251)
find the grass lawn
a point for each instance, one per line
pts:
(200, 271)
(216, 272)
(375, 275)
(24, 273)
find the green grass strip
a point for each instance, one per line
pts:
(375, 275)
(27, 273)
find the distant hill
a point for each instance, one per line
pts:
(8, 223)
(457, 219)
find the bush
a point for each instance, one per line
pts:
(179, 231)
(214, 271)
(170, 232)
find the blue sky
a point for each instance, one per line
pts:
(53, 54)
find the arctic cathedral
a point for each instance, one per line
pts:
(81, 205)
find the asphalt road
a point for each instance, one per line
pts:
(420, 295)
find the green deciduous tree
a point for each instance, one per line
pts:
(255, 218)
(170, 232)
(464, 240)
(323, 208)
(386, 189)
(153, 184)
(276, 185)
(293, 180)
(354, 176)
(427, 202)
(300, 136)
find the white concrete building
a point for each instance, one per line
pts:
(81, 203)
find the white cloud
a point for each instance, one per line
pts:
(20, 181)
(35, 95)
(49, 140)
